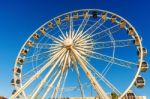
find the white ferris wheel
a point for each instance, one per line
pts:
(83, 53)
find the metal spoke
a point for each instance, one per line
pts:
(79, 80)
(94, 83)
(71, 25)
(84, 38)
(57, 40)
(50, 86)
(116, 43)
(32, 70)
(36, 75)
(57, 87)
(47, 75)
(74, 63)
(105, 32)
(103, 79)
(96, 25)
(113, 60)
(109, 44)
(61, 71)
(60, 29)
(63, 84)
(93, 28)
(82, 26)
(62, 74)
(41, 56)
(37, 57)
(45, 85)
(46, 46)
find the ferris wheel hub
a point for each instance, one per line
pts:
(68, 42)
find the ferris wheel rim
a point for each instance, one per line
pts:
(141, 58)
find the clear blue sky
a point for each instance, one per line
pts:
(19, 18)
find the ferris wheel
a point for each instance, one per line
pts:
(83, 53)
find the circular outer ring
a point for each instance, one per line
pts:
(140, 46)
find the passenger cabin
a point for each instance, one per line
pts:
(104, 16)
(122, 24)
(144, 52)
(75, 15)
(14, 82)
(137, 41)
(67, 18)
(95, 14)
(14, 91)
(130, 31)
(129, 95)
(50, 25)
(36, 36)
(43, 30)
(113, 19)
(144, 66)
(29, 43)
(20, 61)
(85, 14)
(17, 81)
(140, 82)
(58, 21)
(24, 52)
(17, 70)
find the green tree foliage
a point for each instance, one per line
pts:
(114, 95)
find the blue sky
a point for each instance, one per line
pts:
(19, 18)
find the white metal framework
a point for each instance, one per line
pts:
(78, 53)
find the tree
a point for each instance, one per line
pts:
(114, 95)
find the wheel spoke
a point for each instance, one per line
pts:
(50, 86)
(62, 33)
(74, 63)
(63, 84)
(27, 74)
(46, 46)
(41, 56)
(94, 83)
(112, 44)
(82, 26)
(57, 87)
(47, 75)
(57, 40)
(71, 25)
(79, 81)
(109, 44)
(106, 32)
(113, 60)
(83, 39)
(36, 75)
(53, 75)
(37, 57)
(99, 75)
(92, 29)
(46, 84)
(61, 71)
